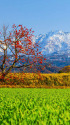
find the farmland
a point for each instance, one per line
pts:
(34, 106)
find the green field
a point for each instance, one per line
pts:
(34, 106)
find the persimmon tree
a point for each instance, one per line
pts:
(19, 42)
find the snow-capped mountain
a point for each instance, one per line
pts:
(54, 42)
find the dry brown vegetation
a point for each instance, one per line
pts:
(33, 80)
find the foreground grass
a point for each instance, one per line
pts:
(34, 106)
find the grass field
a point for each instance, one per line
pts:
(34, 106)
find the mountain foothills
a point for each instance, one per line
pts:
(66, 69)
(55, 47)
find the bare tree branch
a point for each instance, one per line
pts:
(23, 65)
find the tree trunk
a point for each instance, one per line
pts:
(2, 78)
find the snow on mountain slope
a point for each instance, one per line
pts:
(54, 42)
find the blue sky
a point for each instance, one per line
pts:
(40, 15)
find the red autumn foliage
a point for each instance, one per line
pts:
(19, 42)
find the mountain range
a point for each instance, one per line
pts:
(55, 46)
(54, 42)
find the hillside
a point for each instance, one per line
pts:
(41, 68)
(66, 69)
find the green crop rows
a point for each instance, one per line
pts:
(28, 106)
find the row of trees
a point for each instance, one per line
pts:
(19, 43)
